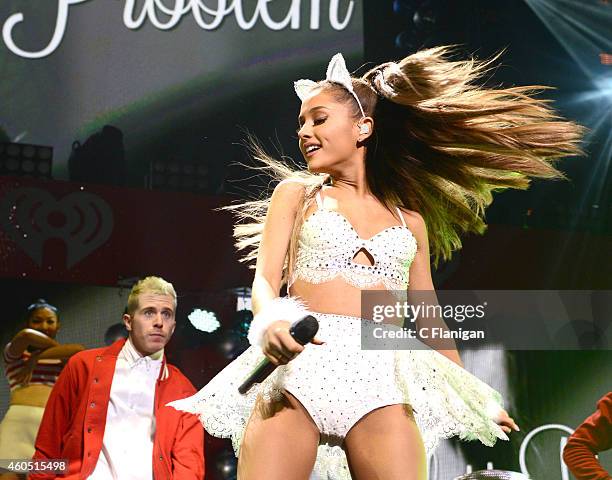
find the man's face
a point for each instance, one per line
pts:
(152, 324)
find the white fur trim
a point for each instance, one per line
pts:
(493, 410)
(281, 308)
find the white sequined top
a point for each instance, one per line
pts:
(328, 244)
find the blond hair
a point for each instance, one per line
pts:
(155, 285)
(441, 146)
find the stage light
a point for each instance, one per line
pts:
(583, 30)
(25, 160)
(419, 18)
(243, 298)
(403, 7)
(177, 175)
(424, 18)
(405, 42)
(204, 320)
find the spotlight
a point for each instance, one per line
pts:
(231, 344)
(25, 160)
(405, 41)
(424, 17)
(418, 18)
(242, 322)
(402, 7)
(226, 465)
(204, 320)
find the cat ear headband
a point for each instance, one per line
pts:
(336, 73)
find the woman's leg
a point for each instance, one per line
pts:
(386, 444)
(280, 442)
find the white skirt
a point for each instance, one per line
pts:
(338, 383)
(18, 431)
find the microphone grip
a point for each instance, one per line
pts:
(302, 332)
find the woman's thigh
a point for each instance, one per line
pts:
(280, 442)
(386, 444)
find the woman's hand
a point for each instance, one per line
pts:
(278, 344)
(24, 375)
(506, 422)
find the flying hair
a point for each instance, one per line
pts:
(442, 144)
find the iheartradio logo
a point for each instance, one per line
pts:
(31, 216)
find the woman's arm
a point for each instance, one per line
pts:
(272, 334)
(29, 337)
(275, 243)
(420, 281)
(61, 352)
(420, 278)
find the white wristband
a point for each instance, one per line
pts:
(281, 308)
(493, 410)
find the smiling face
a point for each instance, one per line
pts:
(44, 320)
(329, 134)
(152, 323)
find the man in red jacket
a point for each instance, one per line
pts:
(106, 414)
(592, 436)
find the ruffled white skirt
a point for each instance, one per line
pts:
(338, 383)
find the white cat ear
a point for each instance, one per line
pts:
(303, 88)
(338, 73)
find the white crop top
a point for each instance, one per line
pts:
(328, 243)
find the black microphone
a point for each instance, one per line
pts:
(303, 331)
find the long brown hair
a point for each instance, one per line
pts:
(442, 144)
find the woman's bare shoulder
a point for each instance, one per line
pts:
(290, 189)
(288, 194)
(285, 202)
(413, 219)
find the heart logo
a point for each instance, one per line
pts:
(31, 216)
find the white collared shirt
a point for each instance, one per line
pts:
(127, 447)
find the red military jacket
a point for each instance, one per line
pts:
(592, 436)
(73, 424)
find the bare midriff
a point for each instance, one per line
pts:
(31, 395)
(336, 296)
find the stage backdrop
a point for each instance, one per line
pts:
(152, 67)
